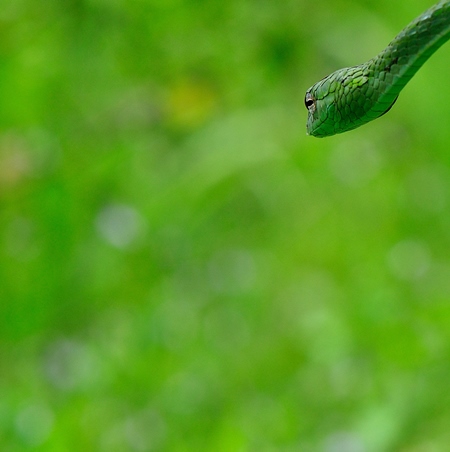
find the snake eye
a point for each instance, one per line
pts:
(310, 101)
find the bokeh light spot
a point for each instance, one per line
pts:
(409, 260)
(34, 424)
(120, 225)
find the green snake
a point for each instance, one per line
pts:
(353, 96)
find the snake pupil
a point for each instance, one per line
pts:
(309, 100)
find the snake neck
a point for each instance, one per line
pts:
(409, 50)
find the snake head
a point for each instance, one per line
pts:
(338, 102)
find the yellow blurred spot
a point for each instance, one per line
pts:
(15, 163)
(190, 103)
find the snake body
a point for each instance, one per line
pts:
(351, 97)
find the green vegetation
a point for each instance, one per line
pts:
(182, 268)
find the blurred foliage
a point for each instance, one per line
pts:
(182, 268)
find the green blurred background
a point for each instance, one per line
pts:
(182, 268)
